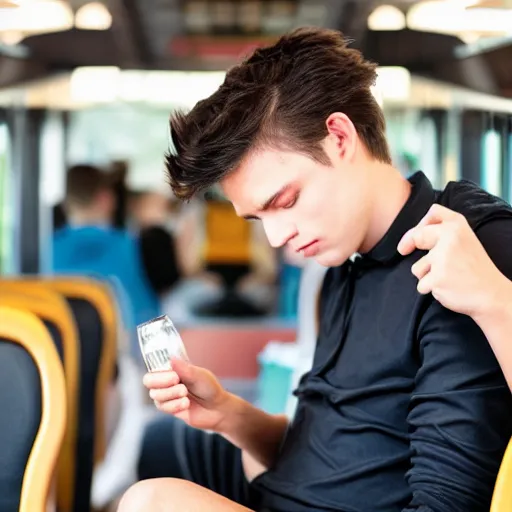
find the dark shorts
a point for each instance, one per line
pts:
(173, 449)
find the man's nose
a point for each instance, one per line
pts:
(279, 233)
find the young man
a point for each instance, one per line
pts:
(405, 408)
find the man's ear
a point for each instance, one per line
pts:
(342, 136)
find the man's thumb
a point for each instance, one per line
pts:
(186, 372)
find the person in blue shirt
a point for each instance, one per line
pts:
(88, 245)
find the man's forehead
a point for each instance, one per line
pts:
(254, 181)
(254, 194)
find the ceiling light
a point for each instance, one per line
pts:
(41, 16)
(393, 83)
(93, 16)
(11, 37)
(454, 17)
(492, 4)
(386, 17)
(470, 37)
(95, 84)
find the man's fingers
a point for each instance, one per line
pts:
(174, 406)
(406, 244)
(167, 394)
(425, 285)
(165, 379)
(422, 267)
(422, 237)
(438, 214)
(187, 373)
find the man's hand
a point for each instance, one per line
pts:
(457, 270)
(190, 393)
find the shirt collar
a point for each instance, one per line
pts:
(420, 200)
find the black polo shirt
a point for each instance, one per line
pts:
(405, 407)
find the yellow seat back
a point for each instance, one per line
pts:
(99, 295)
(25, 329)
(50, 307)
(502, 496)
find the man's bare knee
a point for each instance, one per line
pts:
(145, 495)
(174, 495)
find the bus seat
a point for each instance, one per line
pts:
(57, 317)
(227, 245)
(33, 408)
(502, 496)
(95, 314)
(228, 237)
(94, 311)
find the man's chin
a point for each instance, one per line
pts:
(330, 259)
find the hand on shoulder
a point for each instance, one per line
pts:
(456, 270)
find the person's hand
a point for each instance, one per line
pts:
(190, 393)
(456, 270)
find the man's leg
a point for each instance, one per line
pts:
(173, 449)
(173, 495)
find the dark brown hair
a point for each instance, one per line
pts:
(84, 183)
(280, 97)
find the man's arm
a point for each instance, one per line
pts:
(496, 323)
(256, 433)
(459, 273)
(195, 395)
(459, 418)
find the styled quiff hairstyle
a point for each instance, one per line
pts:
(278, 98)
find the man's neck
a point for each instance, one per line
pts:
(87, 218)
(391, 192)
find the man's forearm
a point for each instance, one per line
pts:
(496, 323)
(254, 431)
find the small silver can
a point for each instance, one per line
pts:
(159, 342)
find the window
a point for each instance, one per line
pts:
(491, 162)
(6, 206)
(428, 151)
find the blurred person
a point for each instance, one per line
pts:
(58, 216)
(459, 274)
(405, 407)
(171, 254)
(118, 172)
(150, 213)
(149, 208)
(89, 245)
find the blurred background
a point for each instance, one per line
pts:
(86, 90)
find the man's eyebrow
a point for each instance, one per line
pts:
(268, 203)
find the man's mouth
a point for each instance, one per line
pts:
(310, 249)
